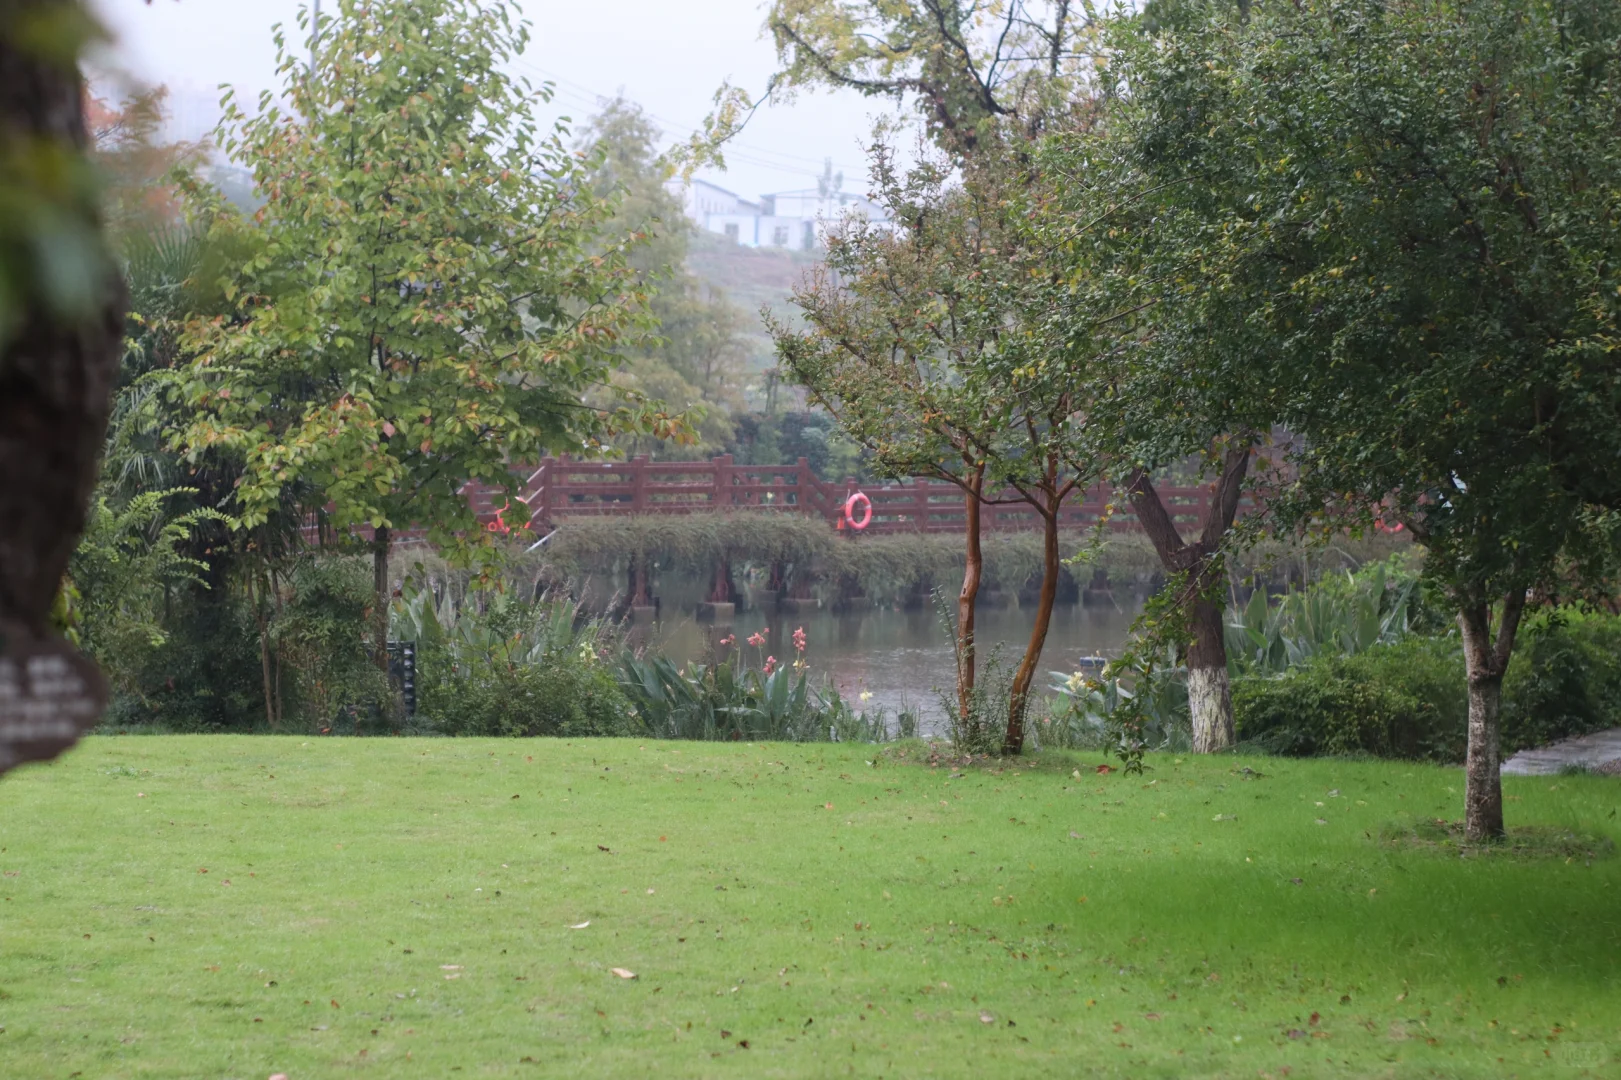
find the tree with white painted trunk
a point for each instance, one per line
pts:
(1199, 572)
(1391, 229)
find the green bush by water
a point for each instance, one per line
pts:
(1408, 698)
(499, 664)
(1402, 699)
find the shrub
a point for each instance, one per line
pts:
(560, 694)
(1409, 698)
(1403, 699)
(1565, 679)
(323, 667)
(731, 700)
(498, 664)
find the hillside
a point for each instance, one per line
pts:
(751, 278)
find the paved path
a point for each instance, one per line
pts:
(1596, 750)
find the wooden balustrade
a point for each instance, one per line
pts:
(563, 487)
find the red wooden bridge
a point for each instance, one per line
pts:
(563, 487)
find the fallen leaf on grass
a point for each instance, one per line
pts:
(581, 925)
(986, 1018)
(623, 973)
(1105, 769)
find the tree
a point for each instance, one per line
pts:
(431, 294)
(697, 358)
(1396, 224)
(968, 68)
(925, 343)
(61, 322)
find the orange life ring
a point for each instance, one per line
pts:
(499, 525)
(1382, 527)
(849, 511)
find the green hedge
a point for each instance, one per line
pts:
(561, 696)
(1401, 700)
(1565, 679)
(1409, 699)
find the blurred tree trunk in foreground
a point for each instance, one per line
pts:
(61, 325)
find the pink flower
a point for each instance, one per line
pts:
(728, 641)
(799, 639)
(756, 640)
(770, 664)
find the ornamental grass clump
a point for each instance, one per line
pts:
(738, 699)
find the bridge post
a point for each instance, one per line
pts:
(638, 484)
(722, 602)
(642, 607)
(722, 498)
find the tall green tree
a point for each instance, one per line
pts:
(431, 293)
(696, 359)
(1393, 228)
(925, 338)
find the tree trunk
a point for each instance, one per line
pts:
(968, 598)
(275, 652)
(382, 596)
(1210, 697)
(59, 349)
(1485, 664)
(1019, 700)
(256, 596)
(57, 363)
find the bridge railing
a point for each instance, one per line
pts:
(564, 487)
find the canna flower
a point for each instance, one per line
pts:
(770, 664)
(865, 696)
(799, 639)
(756, 640)
(728, 641)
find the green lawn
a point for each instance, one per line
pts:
(233, 907)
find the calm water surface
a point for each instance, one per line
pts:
(903, 658)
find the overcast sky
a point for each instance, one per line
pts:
(669, 55)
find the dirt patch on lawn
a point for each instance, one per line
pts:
(1524, 842)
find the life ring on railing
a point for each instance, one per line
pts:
(850, 508)
(499, 525)
(1382, 527)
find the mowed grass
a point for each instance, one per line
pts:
(233, 907)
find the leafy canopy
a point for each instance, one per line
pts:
(1391, 227)
(428, 294)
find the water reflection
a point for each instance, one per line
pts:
(903, 658)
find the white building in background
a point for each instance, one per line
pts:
(785, 219)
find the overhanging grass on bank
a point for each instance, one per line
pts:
(230, 906)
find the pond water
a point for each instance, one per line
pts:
(903, 658)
